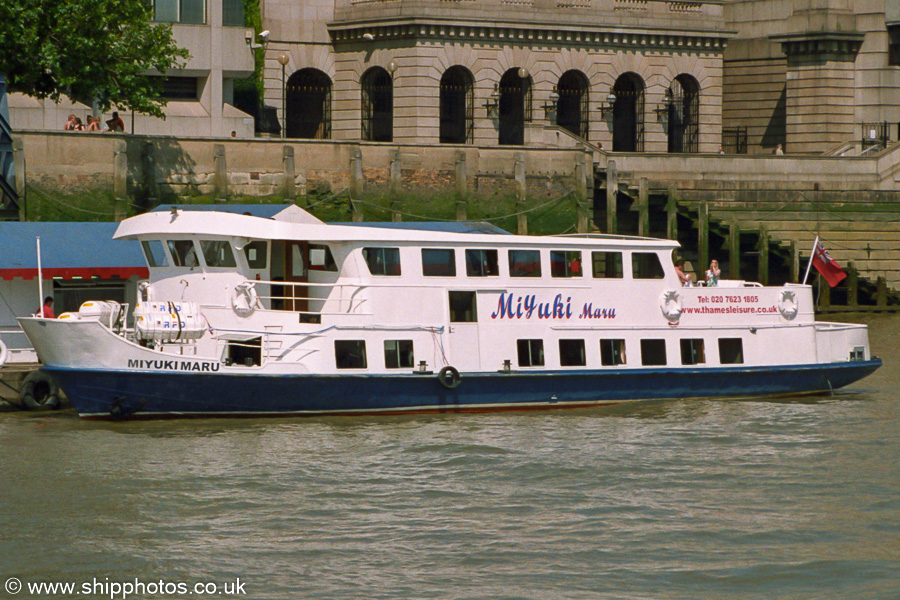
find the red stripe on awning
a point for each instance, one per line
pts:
(71, 273)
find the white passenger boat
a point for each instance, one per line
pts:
(288, 315)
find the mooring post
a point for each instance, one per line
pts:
(221, 173)
(672, 214)
(19, 168)
(581, 215)
(852, 287)
(396, 173)
(120, 179)
(519, 174)
(763, 269)
(289, 189)
(734, 250)
(795, 262)
(703, 234)
(356, 183)
(643, 207)
(612, 192)
(881, 292)
(824, 293)
(148, 173)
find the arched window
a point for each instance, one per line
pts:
(515, 106)
(308, 108)
(377, 106)
(572, 108)
(628, 114)
(457, 106)
(683, 125)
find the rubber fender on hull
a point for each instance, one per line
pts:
(449, 377)
(39, 392)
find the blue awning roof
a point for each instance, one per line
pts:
(67, 250)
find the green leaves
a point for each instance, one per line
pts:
(87, 49)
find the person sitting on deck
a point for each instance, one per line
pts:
(683, 277)
(47, 310)
(712, 275)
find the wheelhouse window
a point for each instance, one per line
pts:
(531, 353)
(607, 265)
(155, 253)
(731, 351)
(350, 354)
(653, 352)
(692, 352)
(438, 263)
(565, 263)
(571, 353)
(183, 253)
(321, 259)
(383, 261)
(646, 265)
(398, 354)
(462, 307)
(612, 352)
(481, 263)
(217, 253)
(524, 263)
(256, 253)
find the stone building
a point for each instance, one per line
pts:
(632, 75)
(200, 96)
(812, 74)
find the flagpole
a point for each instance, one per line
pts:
(811, 256)
(40, 279)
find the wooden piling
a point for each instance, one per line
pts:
(612, 193)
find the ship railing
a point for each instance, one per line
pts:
(18, 348)
(342, 304)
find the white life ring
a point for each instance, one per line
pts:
(244, 300)
(670, 304)
(4, 353)
(788, 305)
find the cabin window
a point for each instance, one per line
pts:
(565, 263)
(612, 352)
(217, 253)
(155, 254)
(571, 353)
(321, 259)
(731, 351)
(692, 352)
(653, 352)
(438, 263)
(462, 307)
(350, 354)
(646, 265)
(481, 263)
(607, 265)
(383, 261)
(398, 354)
(531, 353)
(183, 253)
(256, 253)
(524, 263)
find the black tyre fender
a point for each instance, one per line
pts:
(449, 377)
(39, 391)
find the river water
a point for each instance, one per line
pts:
(676, 500)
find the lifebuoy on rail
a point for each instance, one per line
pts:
(449, 377)
(39, 392)
(788, 305)
(4, 353)
(670, 304)
(244, 300)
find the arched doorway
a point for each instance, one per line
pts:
(684, 114)
(572, 108)
(377, 105)
(457, 106)
(308, 98)
(628, 114)
(515, 106)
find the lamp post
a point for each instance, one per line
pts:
(609, 104)
(283, 61)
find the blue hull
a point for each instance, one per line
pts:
(112, 394)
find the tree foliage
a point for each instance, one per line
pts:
(89, 50)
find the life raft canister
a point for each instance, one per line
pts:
(670, 305)
(39, 392)
(788, 305)
(449, 377)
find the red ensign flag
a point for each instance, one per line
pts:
(824, 264)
